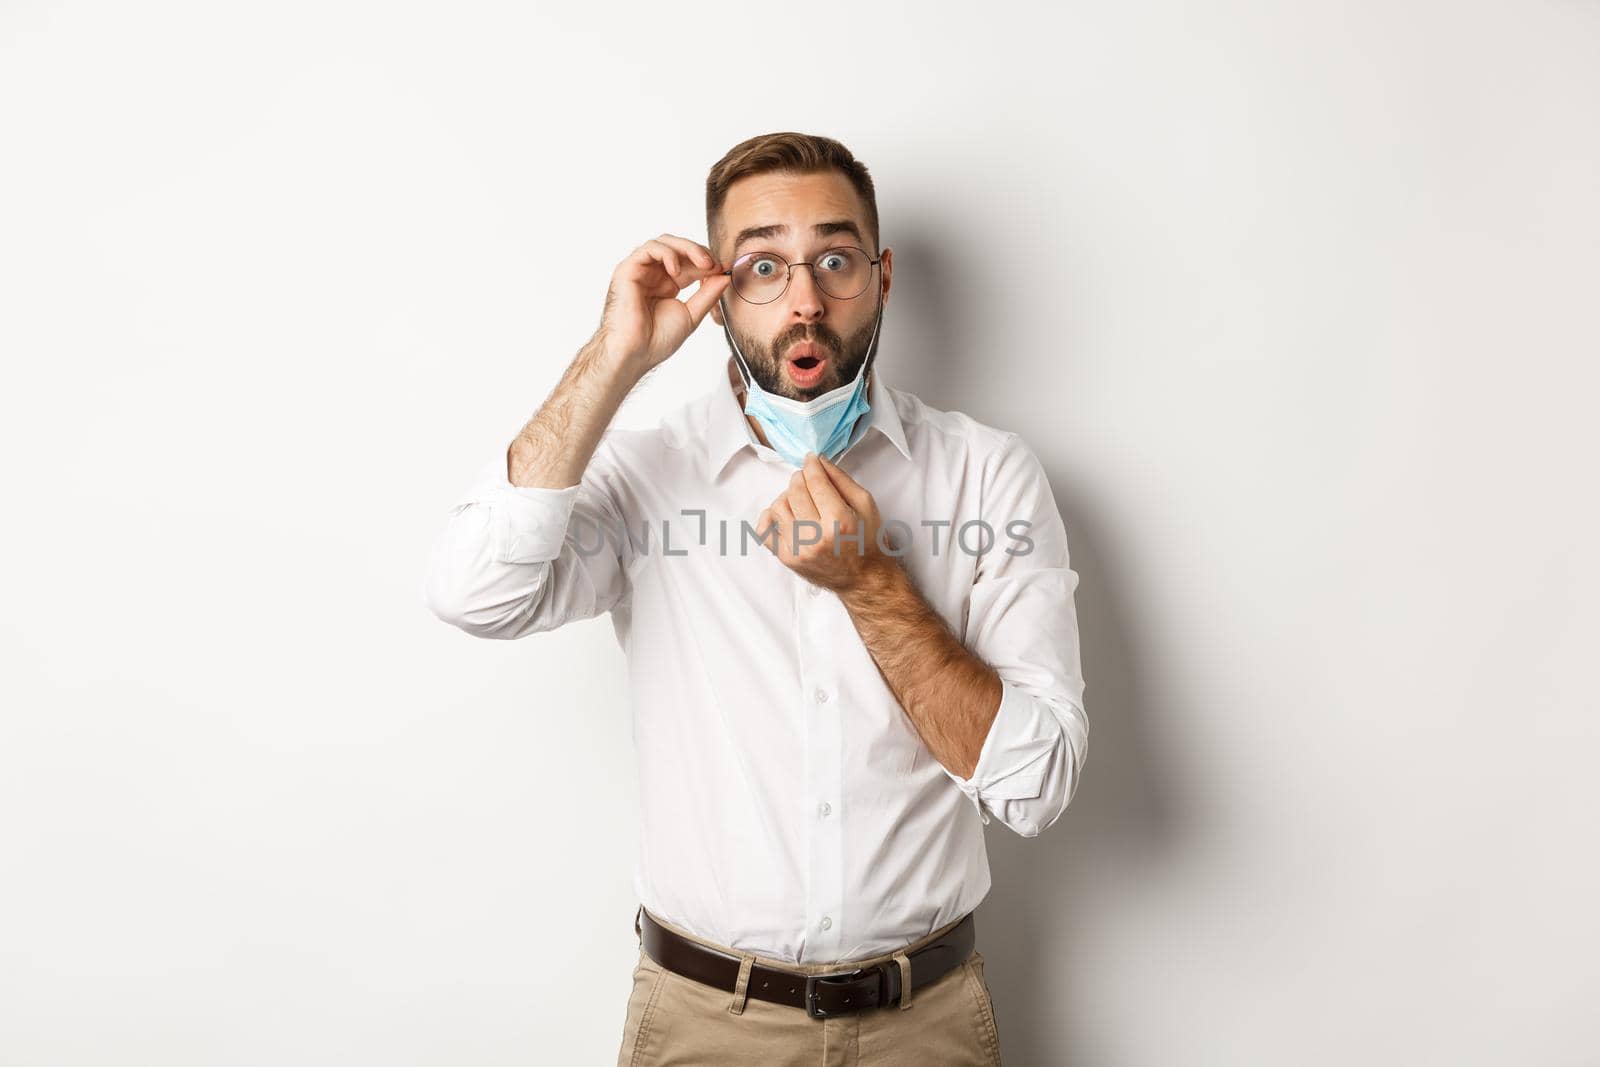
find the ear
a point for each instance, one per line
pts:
(716, 313)
(887, 271)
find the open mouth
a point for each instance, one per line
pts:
(806, 358)
(807, 363)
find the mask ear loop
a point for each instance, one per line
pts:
(744, 368)
(872, 346)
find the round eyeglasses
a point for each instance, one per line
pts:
(842, 273)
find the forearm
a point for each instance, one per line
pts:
(950, 695)
(553, 450)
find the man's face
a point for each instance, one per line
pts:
(806, 342)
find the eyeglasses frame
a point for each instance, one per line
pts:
(788, 277)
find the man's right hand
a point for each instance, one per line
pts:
(644, 321)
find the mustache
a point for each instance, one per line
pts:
(820, 336)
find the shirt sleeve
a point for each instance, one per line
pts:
(1022, 621)
(513, 560)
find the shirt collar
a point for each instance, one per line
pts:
(728, 430)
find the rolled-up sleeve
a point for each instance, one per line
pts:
(512, 560)
(1022, 621)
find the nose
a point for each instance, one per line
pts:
(805, 299)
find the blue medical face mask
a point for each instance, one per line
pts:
(827, 425)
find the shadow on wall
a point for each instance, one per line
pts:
(1121, 823)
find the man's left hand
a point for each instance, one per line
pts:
(827, 527)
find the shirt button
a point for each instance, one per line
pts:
(826, 922)
(822, 696)
(814, 590)
(825, 808)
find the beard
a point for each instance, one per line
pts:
(844, 355)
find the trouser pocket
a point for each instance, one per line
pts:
(635, 1048)
(988, 1030)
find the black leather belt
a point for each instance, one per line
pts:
(821, 995)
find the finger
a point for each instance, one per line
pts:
(646, 268)
(687, 272)
(667, 255)
(827, 498)
(690, 261)
(652, 255)
(705, 297)
(662, 271)
(660, 259)
(700, 255)
(784, 517)
(799, 498)
(854, 493)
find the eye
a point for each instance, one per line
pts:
(833, 261)
(764, 268)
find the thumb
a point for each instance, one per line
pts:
(705, 295)
(853, 492)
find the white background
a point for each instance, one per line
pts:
(1297, 303)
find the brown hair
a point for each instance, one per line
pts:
(797, 153)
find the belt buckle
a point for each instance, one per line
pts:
(813, 1009)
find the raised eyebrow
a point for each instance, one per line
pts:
(756, 233)
(821, 229)
(826, 229)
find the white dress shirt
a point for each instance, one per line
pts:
(788, 806)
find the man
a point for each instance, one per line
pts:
(849, 625)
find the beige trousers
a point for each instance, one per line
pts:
(674, 1021)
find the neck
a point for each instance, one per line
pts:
(755, 427)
